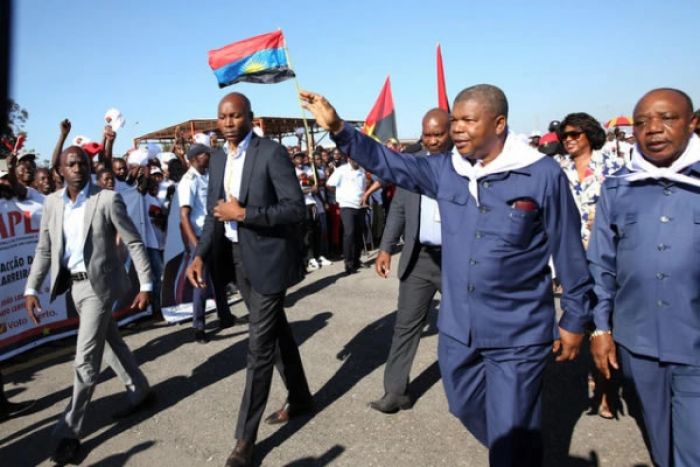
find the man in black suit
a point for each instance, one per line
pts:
(416, 218)
(254, 207)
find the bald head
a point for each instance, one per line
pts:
(663, 125)
(435, 134)
(236, 97)
(663, 93)
(440, 116)
(234, 118)
(492, 97)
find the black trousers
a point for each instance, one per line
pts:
(353, 227)
(312, 233)
(270, 343)
(416, 292)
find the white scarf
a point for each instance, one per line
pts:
(642, 169)
(515, 155)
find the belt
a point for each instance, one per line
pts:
(78, 276)
(432, 248)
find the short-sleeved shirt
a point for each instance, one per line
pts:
(192, 192)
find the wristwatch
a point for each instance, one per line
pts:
(599, 332)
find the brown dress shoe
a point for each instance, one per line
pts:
(289, 411)
(241, 456)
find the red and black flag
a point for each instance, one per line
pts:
(443, 103)
(381, 121)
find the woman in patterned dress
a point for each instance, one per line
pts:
(586, 166)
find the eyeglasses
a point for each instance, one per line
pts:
(571, 134)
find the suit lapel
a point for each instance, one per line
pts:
(248, 165)
(57, 226)
(90, 207)
(217, 169)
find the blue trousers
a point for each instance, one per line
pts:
(670, 397)
(496, 393)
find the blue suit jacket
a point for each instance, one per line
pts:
(497, 288)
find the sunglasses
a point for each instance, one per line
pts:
(571, 134)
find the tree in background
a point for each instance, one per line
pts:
(16, 118)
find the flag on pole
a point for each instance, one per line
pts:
(259, 59)
(381, 121)
(443, 103)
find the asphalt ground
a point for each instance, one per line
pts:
(343, 325)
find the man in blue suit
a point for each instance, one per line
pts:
(644, 259)
(504, 209)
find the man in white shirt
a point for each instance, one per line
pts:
(76, 245)
(192, 195)
(350, 182)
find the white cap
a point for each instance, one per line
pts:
(80, 140)
(138, 157)
(4, 173)
(115, 119)
(201, 138)
(156, 170)
(165, 157)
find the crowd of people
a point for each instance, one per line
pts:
(495, 222)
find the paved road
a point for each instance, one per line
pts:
(343, 325)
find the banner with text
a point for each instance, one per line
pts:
(19, 232)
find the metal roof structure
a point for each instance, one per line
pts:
(273, 127)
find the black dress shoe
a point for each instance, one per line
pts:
(225, 323)
(241, 456)
(391, 403)
(146, 403)
(289, 411)
(14, 409)
(67, 452)
(200, 336)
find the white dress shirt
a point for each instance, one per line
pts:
(429, 232)
(233, 174)
(73, 229)
(73, 220)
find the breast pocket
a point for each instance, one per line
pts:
(627, 231)
(452, 209)
(520, 227)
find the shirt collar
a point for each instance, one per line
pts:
(82, 195)
(242, 146)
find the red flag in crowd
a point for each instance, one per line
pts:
(443, 103)
(381, 121)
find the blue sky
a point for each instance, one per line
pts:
(78, 58)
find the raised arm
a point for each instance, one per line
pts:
(108, 143)
(419, 175)
(65, 129)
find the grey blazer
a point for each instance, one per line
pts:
(105, 217)
(403, 219)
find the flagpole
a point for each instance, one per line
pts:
(303, 115)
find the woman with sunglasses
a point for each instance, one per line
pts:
(586, 166)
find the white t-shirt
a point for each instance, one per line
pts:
(349, 186)
(155, 236)
(302, 172)
(192, 192)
